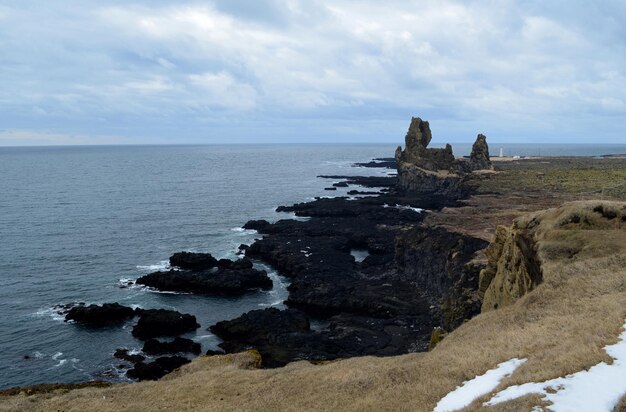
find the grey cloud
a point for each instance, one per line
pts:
(188, 71)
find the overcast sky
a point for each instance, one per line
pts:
(161, 71)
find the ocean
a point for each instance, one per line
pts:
(76, 223)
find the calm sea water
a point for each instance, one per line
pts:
(76, 222)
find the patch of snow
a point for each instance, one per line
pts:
(464, 395)
(597, 389)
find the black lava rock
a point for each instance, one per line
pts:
(193, 261)
(162, 322)
(100, 315)
(178, 345)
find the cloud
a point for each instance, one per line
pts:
(310, 70)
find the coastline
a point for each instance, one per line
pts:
(476, 207)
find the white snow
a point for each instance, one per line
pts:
(464, 395)
(596, 389)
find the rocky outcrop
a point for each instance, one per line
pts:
(178, 345)
(100, 315)
(416, 180)
(517, 253)
(161, 322)
(157, 369)
(372, 307)
(230, 279)
(193, 261)
(123, 354)
(436, 171)
(416, 149)
(513, 267)
(439, 263)
(479, 158)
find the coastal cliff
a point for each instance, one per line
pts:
(423, 272)
(427, 170)
(559, 327)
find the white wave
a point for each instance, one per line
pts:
(274, 303)
(51, 312)
(415, 209)
(57, 355)
(244, 231)
(163, 292)
(162, 265)
(38, 355)
(403, 207)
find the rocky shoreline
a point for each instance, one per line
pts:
(367, 277)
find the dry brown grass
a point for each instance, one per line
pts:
(561, 327)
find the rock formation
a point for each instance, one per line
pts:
(416, 148)
(161, 322)
(435, 171)
(513, 268)
(479, 159)
(517, 253)
(100, 315)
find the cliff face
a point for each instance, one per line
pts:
(513, 267)
(556, 236)
(438, 262)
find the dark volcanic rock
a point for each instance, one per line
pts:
(157, 369)
(373, 307)
(193, 261)
(162, 322)
(416, 152)
(240, 264)
(365, 181)
(257, 325)
(340, 184)
(437, 262)
(124, 355)
(100, 315)
(479, 158)
(230, 279)
(386, 162)
(178, 345)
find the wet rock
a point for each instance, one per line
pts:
(178, 345)
(157, 369)
(258, 325)
(193, 261)
(161, 322)
(230, 279)
(107, 314)
(123, 354)
(384, 162)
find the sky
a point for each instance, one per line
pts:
(341, 71)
